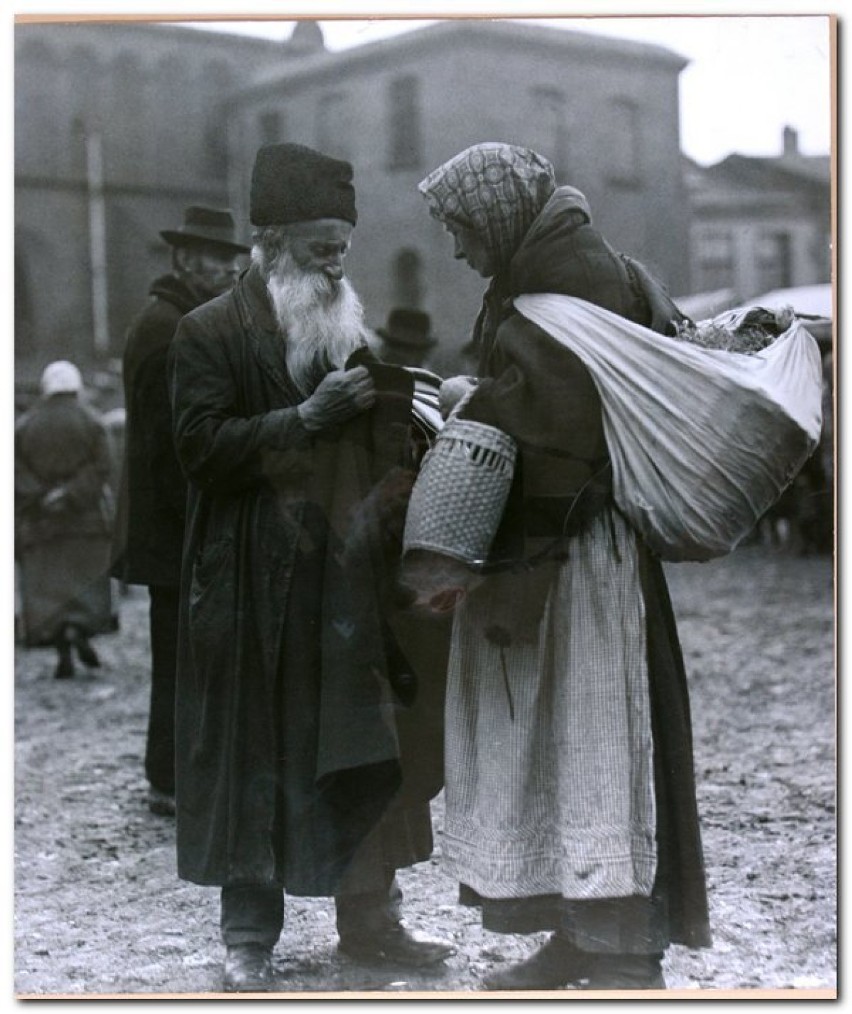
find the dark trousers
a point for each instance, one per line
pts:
(160, 746)
(254, 914)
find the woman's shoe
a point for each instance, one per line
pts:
(65, 665)
(554, 965)
(87, 654)
(627, 971)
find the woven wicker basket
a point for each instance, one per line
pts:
(460, 492)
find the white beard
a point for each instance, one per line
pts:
(322, 320)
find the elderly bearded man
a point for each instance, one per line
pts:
(299, 449)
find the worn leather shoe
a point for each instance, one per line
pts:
(395, 945)
(87, 654)
(554, 965)
(248, 969)
(161, 803)
(65, 665)
(627, 971)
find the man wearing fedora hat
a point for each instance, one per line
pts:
(298, 705)
(152, 499)
(406, 339)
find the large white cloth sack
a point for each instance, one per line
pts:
(702, 441)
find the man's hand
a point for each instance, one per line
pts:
(340, 395)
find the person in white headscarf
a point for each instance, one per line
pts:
(63, 521)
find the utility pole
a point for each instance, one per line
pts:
(97, 238)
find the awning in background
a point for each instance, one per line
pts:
(812, 300)
(703, 305)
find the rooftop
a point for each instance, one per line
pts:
(790, 167)
(459, 30)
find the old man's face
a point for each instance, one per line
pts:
(320, 246)
(319, 313)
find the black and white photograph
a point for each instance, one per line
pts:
(424, 563)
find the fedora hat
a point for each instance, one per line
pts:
(205, 225)
(409, 328)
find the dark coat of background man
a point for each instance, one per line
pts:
(152, 501)
(297, 698)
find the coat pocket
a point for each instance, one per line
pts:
(211, 592)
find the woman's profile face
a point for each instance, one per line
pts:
(468, 246)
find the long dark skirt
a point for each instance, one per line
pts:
(65, 581)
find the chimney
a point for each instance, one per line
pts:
(791, 142)
(306, 39)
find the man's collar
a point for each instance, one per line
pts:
(259, 303)
(264, 336)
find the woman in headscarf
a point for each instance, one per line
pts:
(570, 797)
(63, 521)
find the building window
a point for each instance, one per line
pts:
(404, 121)
(820, 255)
(715, 256)
(773, 258)
(216, 148)
(624, 153)
(549, 123)
(333, 125)
(407, 284)
(270, 126)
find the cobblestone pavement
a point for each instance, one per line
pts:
(99, 911)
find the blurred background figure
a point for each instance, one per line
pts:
(63, 521)
(802, 520)
(115, 421)
(152, 498)
(405, 340)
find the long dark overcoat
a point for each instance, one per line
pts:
(152, 495)
(287, 739)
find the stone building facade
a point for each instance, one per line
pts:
(759, 224)
(605, 111)
(119, 126)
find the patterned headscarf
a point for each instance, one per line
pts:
(495, 189)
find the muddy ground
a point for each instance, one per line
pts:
(99, 911)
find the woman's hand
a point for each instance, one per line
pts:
(453, 393)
